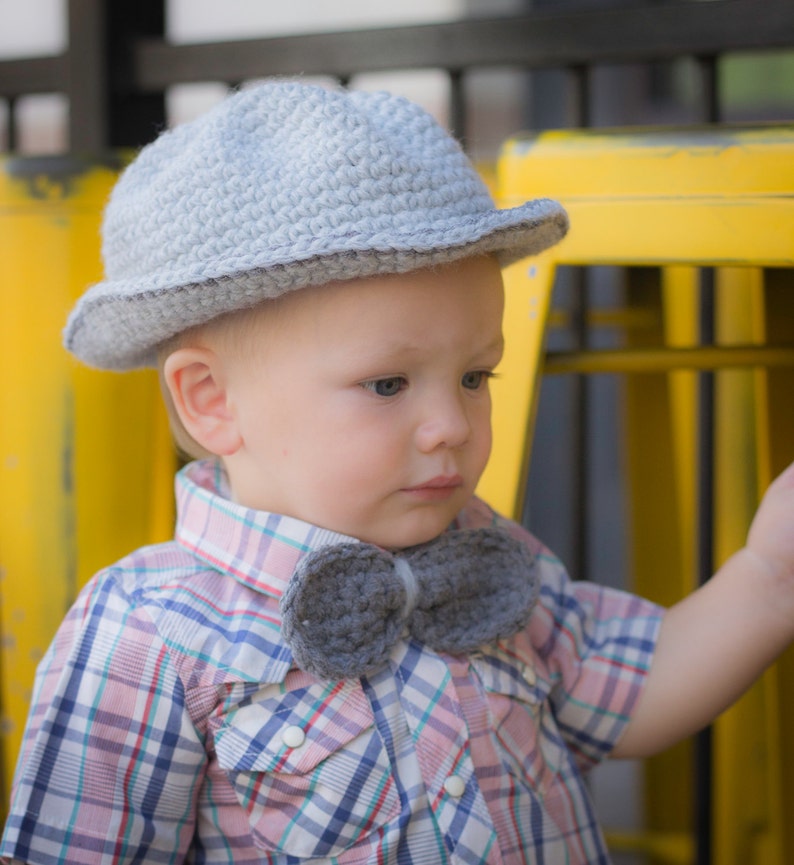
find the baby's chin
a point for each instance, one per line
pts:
(410, 536)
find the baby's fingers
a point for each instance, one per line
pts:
(772, 532)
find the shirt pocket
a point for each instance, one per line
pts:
(522, 719)
(308, 766)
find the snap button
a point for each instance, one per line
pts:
(293, 737)
(455, 786)
(529, 675)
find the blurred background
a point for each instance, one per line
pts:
(84, 79)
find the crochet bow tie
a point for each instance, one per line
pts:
(347, 605)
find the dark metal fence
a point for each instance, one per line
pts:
(118, 65)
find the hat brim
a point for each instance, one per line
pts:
(119, 324)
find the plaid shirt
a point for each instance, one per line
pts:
(169, 724)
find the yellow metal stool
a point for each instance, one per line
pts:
(86, 461)
(664, 204)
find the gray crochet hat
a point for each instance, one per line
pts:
(282, 186)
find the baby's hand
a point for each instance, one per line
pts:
(771, 536)
(717, 641)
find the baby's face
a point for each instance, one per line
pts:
(364, 407)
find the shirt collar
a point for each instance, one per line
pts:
(258, 548)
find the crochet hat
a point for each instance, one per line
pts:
(282, 186)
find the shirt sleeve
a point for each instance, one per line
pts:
(111, 763)
(597, 644)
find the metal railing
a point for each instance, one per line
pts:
(118, 65)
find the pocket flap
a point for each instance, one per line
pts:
(291, 731)
(526, 679)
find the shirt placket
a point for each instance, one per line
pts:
(441, 739)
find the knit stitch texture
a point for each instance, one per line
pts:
(282, 186)
(347, 605)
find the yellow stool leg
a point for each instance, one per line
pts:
(528, 287)
(83, 454)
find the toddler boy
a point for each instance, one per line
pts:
(344, 656)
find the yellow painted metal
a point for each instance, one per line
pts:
(652, 163)
(677, 201)
(85, 457)
(748, 818)
(527, 300)
(671, 198)
(716, 195)
(667, 359)
(775, 437)
(680, 300)
(659, 458)
(676, 848)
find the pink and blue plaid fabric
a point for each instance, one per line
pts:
(169, 725)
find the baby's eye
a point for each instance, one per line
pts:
(390, 386)
(475, 379)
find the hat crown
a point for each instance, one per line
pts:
(279, 187)
(285, 168)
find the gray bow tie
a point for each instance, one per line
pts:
(347, 605)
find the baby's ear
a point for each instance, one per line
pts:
(194, 378)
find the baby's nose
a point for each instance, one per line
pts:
(446, 423)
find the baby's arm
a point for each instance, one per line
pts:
(715, 643)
